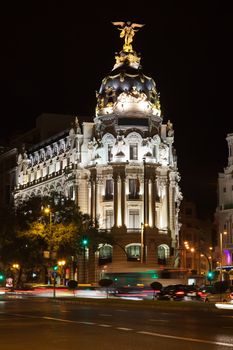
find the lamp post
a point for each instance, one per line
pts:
(16, 268)
(84, 243)
(221, 248)
(47, 210)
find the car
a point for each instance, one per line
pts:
(210, 294)
(134, 292)
(178, 292)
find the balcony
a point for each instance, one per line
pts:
(108, 197)
(228, 206)
(134, 196)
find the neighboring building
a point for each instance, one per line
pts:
(224, 211)
(195, 241)
(46, 126)
(121, 169)
(8, 157)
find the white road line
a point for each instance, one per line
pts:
(68, 321)
(58, 319)
(186, 339)
(124, 329)
(88, 323)
(104, 325)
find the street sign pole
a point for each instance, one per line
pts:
(54, 284)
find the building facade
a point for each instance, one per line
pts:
(121, 169)
(224, 212)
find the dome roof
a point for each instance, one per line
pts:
(127, 90)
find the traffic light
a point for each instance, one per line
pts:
(84, 241)
(210, 275)
(55, 267)
(2, 277)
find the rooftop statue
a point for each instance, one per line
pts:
(127, 32)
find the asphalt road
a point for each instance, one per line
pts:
(49, 325)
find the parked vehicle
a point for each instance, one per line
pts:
(210, 294)
(179, 292)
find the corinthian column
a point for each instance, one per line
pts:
(115, 202)
(123, 201)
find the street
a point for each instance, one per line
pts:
(49, 325)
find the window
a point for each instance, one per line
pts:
(110, 155)
(224, 189)
(163, 253)
(105, 254)
(133, 252)
(71, 192)
(109, 219)
(109, 189)
(133, 151)
(134, 188)
(134, 221)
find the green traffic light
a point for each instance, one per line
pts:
(210, 275)
(55, 268)
(1, 277)
(84, 241)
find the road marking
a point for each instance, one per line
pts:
(124, 329)
(128, 329)
(68, 321)
(88, 323)
(58, 319)
(186, 339)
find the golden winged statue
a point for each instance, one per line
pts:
(127, 31)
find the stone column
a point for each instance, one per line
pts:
(146, 207)
(115, 201)
(150, 202)
(153, 191)
(119, 201)
(123, 200)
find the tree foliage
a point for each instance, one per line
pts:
(26, 230)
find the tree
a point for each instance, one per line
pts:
(105, 282)
(27, 226)
(156, 286)
(72, 284)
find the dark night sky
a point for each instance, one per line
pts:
(54, 58)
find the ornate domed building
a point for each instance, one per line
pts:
(121, 169)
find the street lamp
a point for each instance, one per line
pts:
(15, 266)
(221, 247)
(48, 211)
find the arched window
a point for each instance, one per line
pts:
(105, 254)
(163, 253)
(133, 252)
